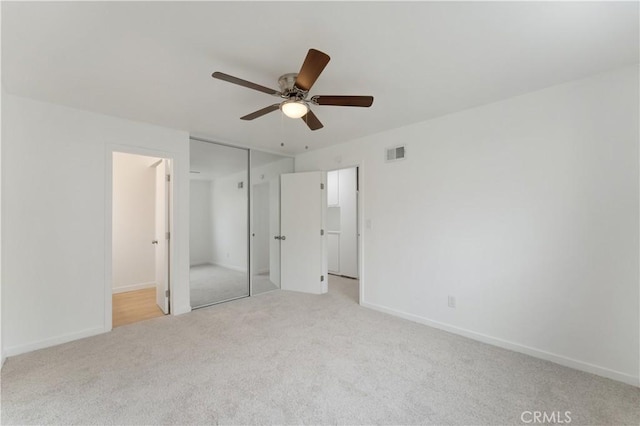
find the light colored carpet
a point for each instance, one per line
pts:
(291, 358)
(262, 284)
(212, 283)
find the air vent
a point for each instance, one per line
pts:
(395, 153)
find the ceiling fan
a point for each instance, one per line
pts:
(294, 89)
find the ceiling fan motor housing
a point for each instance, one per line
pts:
(288, 88)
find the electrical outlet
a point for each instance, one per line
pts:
(452, 302)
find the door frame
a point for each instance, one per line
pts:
(108, 224)
(360, 220)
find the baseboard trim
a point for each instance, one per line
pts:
(133, 287)
(536, 353)
(54, 341)
(222, 265)
(232, 267)
(179, 310)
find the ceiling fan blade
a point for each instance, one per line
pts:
(312, 121)
(312, 66)
(244, 83)
(356, 101)
(261, 112)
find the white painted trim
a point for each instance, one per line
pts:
(58, 340)
(232, 267)
(222, 265)
(536, 353)
(361, 231)
(133, 287)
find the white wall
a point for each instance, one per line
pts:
(229, 216)
(2, 356)
(525, 210)
(200, 246)
(56, 174)
(134, 186)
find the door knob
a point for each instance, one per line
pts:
(277, 237)
(154, 242)
(283, 238)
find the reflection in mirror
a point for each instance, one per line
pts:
(265, 219)
(218, 234)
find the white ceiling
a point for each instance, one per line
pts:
(152, 62)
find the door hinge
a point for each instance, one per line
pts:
(321, 278)
(166, 293)
(168, 178)
(322, 232)
(322, 186)
(168, 235)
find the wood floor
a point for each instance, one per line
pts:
(134, 306)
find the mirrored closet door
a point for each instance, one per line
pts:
(218, 222)
(265, 218)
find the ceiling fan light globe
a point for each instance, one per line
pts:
(294, 109)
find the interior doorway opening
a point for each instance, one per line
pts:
(140, 237)
(342, 222)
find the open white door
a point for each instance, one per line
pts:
(303, 241)
(162, 236)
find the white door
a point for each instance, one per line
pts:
(303, 205)
(162, 236)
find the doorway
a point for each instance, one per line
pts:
(140, 237)
(342, 222)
